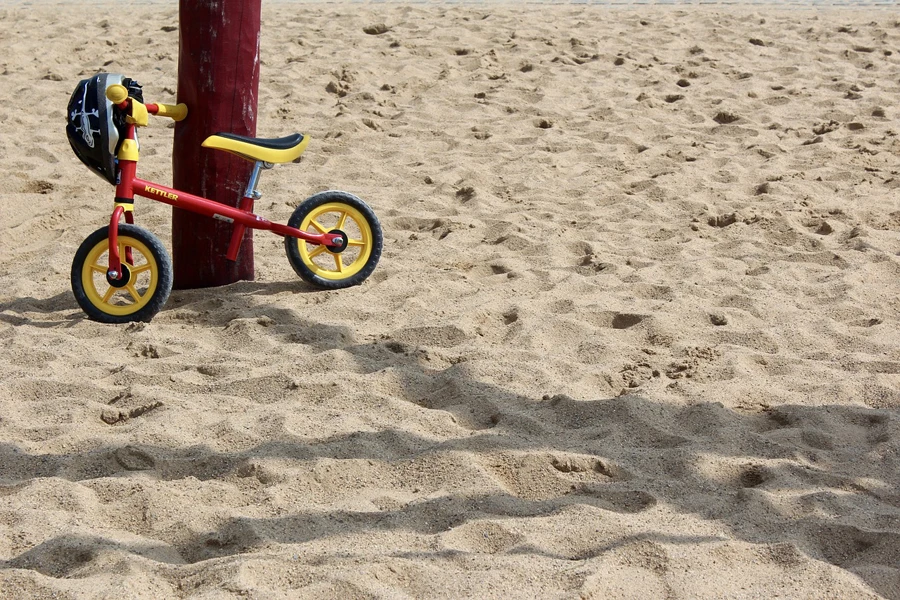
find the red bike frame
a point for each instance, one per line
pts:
(242, 217)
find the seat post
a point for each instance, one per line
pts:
(251, 191)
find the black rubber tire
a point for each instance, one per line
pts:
(360, 272)
(147, 307)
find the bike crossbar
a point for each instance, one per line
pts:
(228, 214)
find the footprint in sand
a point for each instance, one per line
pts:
(469, 408)
(617, 320)
(581, 466)
(622, 501)
(753, 476)
(131, 458)
(38, 186)
(58, 557)
(481, 537)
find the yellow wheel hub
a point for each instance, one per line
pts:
(336, 265)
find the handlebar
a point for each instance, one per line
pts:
(118, 95)
(176, 112)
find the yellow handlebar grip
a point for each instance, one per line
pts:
(116, 93)
(176, 113)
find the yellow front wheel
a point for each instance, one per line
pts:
(335, 268)
(139, 293)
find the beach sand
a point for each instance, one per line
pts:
(633, 335)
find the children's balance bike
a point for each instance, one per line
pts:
(123, 273)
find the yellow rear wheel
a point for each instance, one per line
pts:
(331, 268)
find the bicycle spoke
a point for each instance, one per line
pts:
(133, 291)
(341, 221)
(315, 224)
(339, 262)
(141, 269)
(109, 294)
(98, 268)
(319, 250)
(356, 242)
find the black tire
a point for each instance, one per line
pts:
(335, 211)
(140, 295)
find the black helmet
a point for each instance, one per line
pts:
(94, 129)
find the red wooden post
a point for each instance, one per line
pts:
(218, 78)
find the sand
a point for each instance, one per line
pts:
(634, 332)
